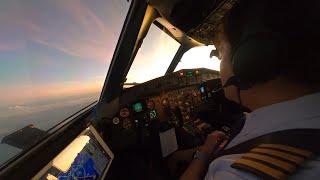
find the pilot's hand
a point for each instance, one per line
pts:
(214, 142)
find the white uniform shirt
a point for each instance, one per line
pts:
(303, 112)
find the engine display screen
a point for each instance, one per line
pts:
(137, 107)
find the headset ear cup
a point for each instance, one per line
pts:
(252, 59)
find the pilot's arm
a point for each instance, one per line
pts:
(199, 165)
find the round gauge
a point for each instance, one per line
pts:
(127, 123)
(150, 104)
(115, 120)
(124, 113)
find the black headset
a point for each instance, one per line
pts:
(257, 43)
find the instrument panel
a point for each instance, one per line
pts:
(172, 101)
(176, 107)
(172, 98)
(131, 116)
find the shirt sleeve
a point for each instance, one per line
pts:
(226, 175)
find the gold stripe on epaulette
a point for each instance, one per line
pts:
(295, 159)
(276, 162)
(260, 167)
(272, 160)
(298, 151)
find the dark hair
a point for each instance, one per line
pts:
(298, 22)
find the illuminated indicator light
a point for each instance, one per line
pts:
(202, 90)
(197, 72)
(181, 74)
(153, 114)
(189, 74)
(137, 107)
(164, 102)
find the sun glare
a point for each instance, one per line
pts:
(199, 57)
(154, 56)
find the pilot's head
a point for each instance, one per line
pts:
(270, 47)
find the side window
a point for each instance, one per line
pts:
(199, 57)
(54, 56)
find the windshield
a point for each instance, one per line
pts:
(54, 56)
(199, 57)
(154, 57)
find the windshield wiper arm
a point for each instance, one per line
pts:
(131, 84)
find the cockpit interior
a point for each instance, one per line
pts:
(134, 129)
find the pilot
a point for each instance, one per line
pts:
(270, 63)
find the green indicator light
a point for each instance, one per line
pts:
(137, 107)
(189, 74)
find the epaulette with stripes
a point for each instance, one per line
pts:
(272, 161)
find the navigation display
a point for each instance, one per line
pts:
(86, 157)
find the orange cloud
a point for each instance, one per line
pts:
(25, 92)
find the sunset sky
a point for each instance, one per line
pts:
(54, 48)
